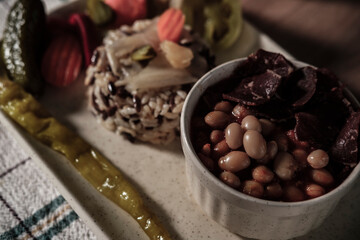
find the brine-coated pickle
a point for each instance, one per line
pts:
(2, 66)
(23, 42)
(22, 108)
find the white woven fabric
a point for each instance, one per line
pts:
(30, 207)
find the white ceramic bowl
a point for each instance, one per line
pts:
(242, 214)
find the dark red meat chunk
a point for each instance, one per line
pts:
(328, 102)
(300, 87)
(311, 129)
(327, 80)
(261, 61)
(275, 109)
(294, 143)
(345, 148)
(255, 90)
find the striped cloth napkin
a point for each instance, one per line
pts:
(30, 207)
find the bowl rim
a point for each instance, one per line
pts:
(185, 123)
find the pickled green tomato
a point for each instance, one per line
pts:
(219, 21)
(99, 12)
(223, 23)
(23, 109)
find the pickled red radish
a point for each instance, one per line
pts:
(62, 61)
(85, 29)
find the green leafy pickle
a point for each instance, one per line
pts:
(144, 53)
(99, 12)
(23, 42)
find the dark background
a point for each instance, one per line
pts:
(325, 33)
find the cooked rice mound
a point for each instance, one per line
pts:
(142, 100)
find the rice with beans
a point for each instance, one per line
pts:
(147, 109)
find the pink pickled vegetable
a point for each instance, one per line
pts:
(86, 31)
(170, 25)
(62, 61)
(127, 11)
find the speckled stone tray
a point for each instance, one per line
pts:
(158, 172)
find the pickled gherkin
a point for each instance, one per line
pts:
(2, 66)
(23, 109)
(23, 42)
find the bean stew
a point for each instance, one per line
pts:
(277, 132)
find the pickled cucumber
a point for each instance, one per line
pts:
(2, 66)
(23, 42)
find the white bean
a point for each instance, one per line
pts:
(206, 149)
(223, 106)
(282, 142)
(314, 190)
(253, 188)
(230, 179)
(254, 144)
(318, 159)
(267, 126)
(293, 194)
(273, 191)
(285, 166)
(272, 150)
(216, 136)
(322, 177)
(300, 156)
(250, 122)
(220, 149)
(240, 111)
(234, 135)
(262, 174)
(234, 161)
(217, 119)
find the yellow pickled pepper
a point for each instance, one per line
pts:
(22, 108)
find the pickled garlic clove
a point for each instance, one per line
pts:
(178, 56)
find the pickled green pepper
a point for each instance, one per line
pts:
(22, 108)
